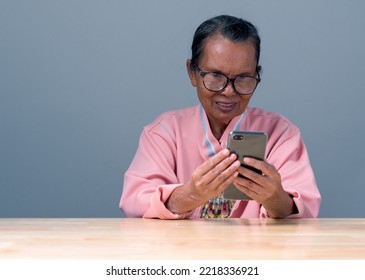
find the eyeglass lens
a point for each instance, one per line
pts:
(217, 82)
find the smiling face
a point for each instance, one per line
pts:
(232, 59)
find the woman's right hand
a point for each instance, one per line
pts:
(208, 180)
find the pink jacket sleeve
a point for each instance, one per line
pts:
(291, 159)
(146, 188)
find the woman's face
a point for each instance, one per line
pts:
(232, 59)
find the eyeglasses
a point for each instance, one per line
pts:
(216, 82)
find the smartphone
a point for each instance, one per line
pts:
(245, 144)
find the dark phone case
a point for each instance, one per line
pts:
(245, 144)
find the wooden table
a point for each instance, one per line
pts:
(133, 239)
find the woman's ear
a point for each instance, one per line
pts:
(191, 73)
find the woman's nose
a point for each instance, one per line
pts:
(229, 89)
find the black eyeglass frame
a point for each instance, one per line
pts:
(228, 79)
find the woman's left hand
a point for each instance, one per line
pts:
(265, 188)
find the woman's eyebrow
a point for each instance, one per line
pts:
(245, 73)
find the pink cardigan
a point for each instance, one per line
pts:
(172, 146)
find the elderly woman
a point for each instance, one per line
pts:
(182, 165)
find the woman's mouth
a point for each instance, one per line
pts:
(225, 107)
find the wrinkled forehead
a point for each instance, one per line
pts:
(222, 55)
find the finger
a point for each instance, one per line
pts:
(213, 161)
(222, 170)
(226, 177)
(265, 167)
(221, 175)
(247, 186)
(251, 175)
(214, 167)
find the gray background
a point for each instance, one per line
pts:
(79, 80)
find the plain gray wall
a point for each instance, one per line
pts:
(79, 80)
